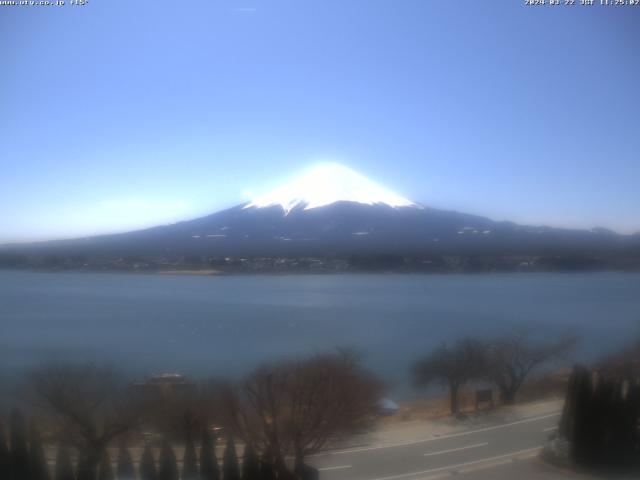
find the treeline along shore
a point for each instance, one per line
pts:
(86, 422)
(193, 264)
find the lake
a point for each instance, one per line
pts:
(226, 325)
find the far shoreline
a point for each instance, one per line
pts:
(259, 273)
(200, 273)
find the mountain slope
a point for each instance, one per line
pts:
(333, 210)
(341, 228)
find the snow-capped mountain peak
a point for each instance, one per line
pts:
(326, 184)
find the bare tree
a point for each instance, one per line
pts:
(511, 358)
(299, 407)
(183, 413)
(88, 405)
(452, 366)
(253, 410)
(328, 396)
(623, 364)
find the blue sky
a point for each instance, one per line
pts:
(124, 114)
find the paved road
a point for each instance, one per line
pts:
(504, 451)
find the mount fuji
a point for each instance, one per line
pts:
(334, 211)
(327, 184)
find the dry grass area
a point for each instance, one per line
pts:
(430, 408)
(548, 386)
(551, 385)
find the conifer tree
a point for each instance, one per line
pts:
(230, 467)
(267, 469)
(631, 421)
(583, 401)
(597, 424)
(617, 418)
(105, 472)
(64, 468)
(250, 464)
(38, 462)
(189, 461)
(125, 469)
(168, 469)
(147, 465)
(4, 454)
(85, 468)
(19, 450)
(209, 469)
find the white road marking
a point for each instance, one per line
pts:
(433, 439)
(456, 449)
(549, 429)
(337, 467)
(465, 464)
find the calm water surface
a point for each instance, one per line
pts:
(224, 326)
